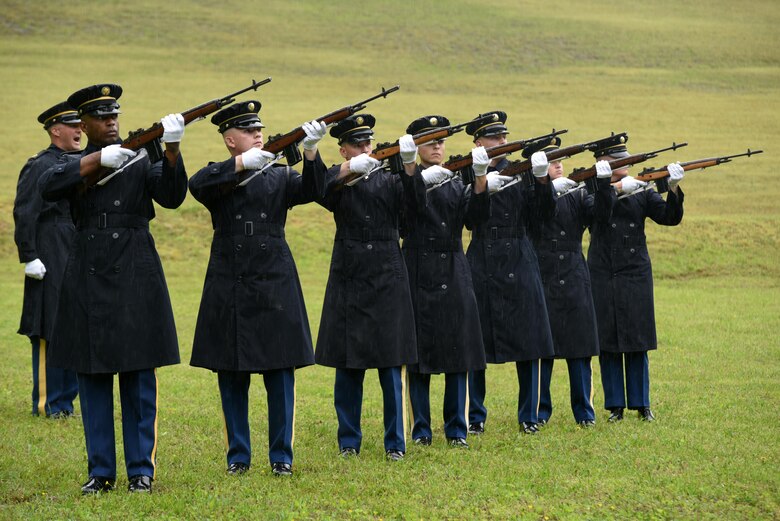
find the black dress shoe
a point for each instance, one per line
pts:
(394, 455)
(348, 452)
(616, 415)
(541, 423)
(96, 484)
(236, 469)
(645, 414)
(140, 484)
(477, 428)
(425, 441)
(528, 428)
(458, 443)
(61, 415)
(281, 469)
(587, 424)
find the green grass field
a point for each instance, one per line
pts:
(703, 72)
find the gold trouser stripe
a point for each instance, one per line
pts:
(42, 377)
(295, 401)
(404, 395)
(156, 415)
(538, 385)
(466, 405)
(590, 363)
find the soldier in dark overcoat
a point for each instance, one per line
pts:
(449, 340)
(566, 282)
(367, 316)
(507, 283)
(43, 233)
(622, 284)
(252, 316)
(115, 314)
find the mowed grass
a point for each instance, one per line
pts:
(702, 72)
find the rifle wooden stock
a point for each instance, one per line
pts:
(149, 138)
(582, 174)
(287, 143)
(653, 174)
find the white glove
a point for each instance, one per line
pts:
(35, 269)
(561, 185)
(435, 174)
(113, 156)
(255, 159)
(496, 181)
(539, 164)
(173, 128)
(630, 184)
(407, 148)
(603, 170)
(363, 164)
(315, 130)
(676, 173)
(480, 161)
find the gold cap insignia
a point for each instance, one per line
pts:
(433, 121)
(622, 139)
(359, 120)
(495, 117)
(105, 91)
(251, 106)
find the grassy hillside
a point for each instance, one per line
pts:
(707, 73)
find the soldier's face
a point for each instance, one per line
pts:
(350, 150)
(492, 141)
(239, 140)
(66, 137)
(555, 169)
(432, 153)
(101, 130)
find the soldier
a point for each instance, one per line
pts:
(515, 327)
(446, 315)
(252, 316)
(566, 281)
(115, 314)
(367, 317)
(622, 285)
(43, 233)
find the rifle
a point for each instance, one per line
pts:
(287, 144)
(463, 164)
(149, 138)
(391, 152)
(523, 167)
(660, 175)
(583, 174)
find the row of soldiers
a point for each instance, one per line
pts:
(522, 293)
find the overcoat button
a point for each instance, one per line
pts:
(238, 217)
(369, 246)
(631, 225)
(91, 271)
(560, 256)
(443, 255)
(117, 203)
(443, 286)
(614, 225)
(562, 282)
(115, 235)
(511, 275)
(632, 250)
(263, 215)
(238, 247)
(116, 269)
(263, 246)
(563, 232)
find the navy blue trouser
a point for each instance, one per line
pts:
(280, 389)
(580, 389)
(348, 400)
(477, 391)
(138, 396)
(637, 379)
(53, 389)
(528, 393)
(454, 410)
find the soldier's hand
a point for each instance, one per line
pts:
(315, 131)
(479, 161)
(113, 156)
(35, 269)
(173, 128)
(539, 164)
(603, 170)
(255, 158)
(407, 148)
(495, 181)
(676, 173)
(561, 185)
(628, 184)
(363, 164)
(435, 174)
